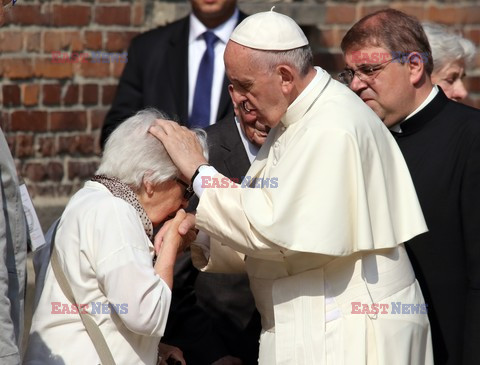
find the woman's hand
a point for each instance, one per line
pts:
(167, 253)
(167, 352)
(186, 229)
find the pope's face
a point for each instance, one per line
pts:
(388, 90)
(254, 88)
(450, 79)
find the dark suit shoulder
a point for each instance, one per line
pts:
(225, 130)
(161, 34)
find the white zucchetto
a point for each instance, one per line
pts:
(269, 31)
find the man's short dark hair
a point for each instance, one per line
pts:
(393, 30)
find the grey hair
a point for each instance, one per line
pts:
(299, 58)
(132, 153)
(447, 46)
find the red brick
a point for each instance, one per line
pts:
(61, 40)
(54, 171)
(90, 94)
(11, 95)
(443, 14)
(340, 14)
(32, 41)
(26, 15)
(68, 121)
(71, 95)
(33, 121)
(473, 35)
(364, 10)
(71, 15)
(30, 94)
(81, 170)
(119, 41)
(51, 94)
(34, 171)
(138, 15)
(108, 93)
(10, 41)
(93, 40)
(24, 145)
(94, 69)
(113, 15)
(416, 10)
(74, 145)
(46, 69)
(97, 116)
(17, 68)
(471, 14)
(118, 69)
(46, 146)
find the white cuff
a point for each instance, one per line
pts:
(205, 170)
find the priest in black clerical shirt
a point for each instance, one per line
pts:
(440, 140)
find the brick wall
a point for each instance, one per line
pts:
(52, 112)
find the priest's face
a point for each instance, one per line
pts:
(382, 83)
(255, 88)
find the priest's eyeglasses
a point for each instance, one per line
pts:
(365, 73)
(188, 189)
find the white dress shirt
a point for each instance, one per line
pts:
(196, 49)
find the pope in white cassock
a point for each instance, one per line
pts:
(323, 246)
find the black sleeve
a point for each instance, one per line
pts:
(129, 95)
(471, 224)
(189, 327)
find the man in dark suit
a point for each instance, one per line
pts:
(440, 140)
(163, 63)
(213, 317)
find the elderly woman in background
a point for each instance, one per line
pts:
(451, 55)
(104, 244)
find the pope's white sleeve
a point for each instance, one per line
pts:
(220, 213)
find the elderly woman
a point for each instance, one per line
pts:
(104, 244)
(451, 55)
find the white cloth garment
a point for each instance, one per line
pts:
(107, 258)
(329, 234)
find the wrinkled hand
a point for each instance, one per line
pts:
(166, 352)
(228, 360)
(181, 144)
(185, 228)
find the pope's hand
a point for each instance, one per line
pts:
(181, 144)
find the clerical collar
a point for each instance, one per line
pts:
(223, 31)
(398, 127)
(424, 116)
(310, 86)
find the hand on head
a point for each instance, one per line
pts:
(181, 144)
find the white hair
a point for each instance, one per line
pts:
(132, 153)
(300, 58)
(447, 46)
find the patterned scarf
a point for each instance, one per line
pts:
(123, 191)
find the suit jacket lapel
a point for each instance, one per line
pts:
(177, 60)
